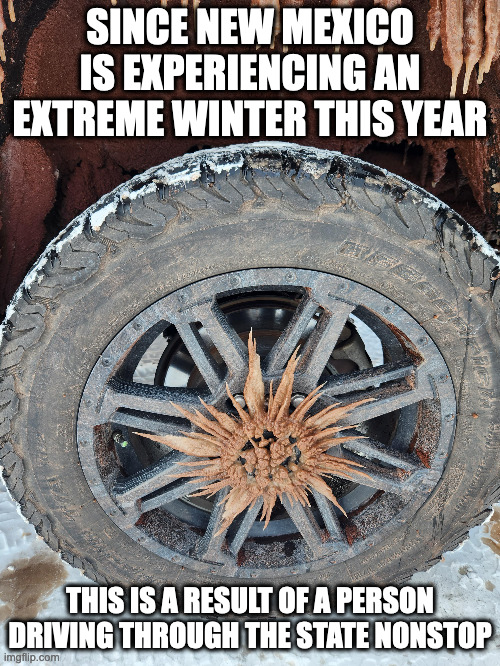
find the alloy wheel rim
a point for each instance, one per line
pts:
(410, 423)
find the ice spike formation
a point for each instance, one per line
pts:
(267, 451)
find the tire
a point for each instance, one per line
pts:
(222, 220)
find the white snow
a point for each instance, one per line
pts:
(97, 217)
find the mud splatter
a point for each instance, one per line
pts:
(492, 528)
(26, 584)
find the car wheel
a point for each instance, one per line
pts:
(369, 302)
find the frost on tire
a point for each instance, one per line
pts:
(147, 304)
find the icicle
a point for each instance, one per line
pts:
(465, 35)
(434, 23)
(3, 27)
(452, 32)
(492, 12)
(473, 36)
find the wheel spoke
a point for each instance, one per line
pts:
(244, 528)
(306, 524)
(200, 354)
(178, 489)
(330, 518)
(321, 343)
(149, 480)
(153, 423)
(378, 477)
(227, 342)
(373, 450)
(387, 399)
(210, 546)
(289, 339)
(147, 398)
(364, 379)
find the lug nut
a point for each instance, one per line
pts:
(119, 439)
(240, 400)
(297, 399)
